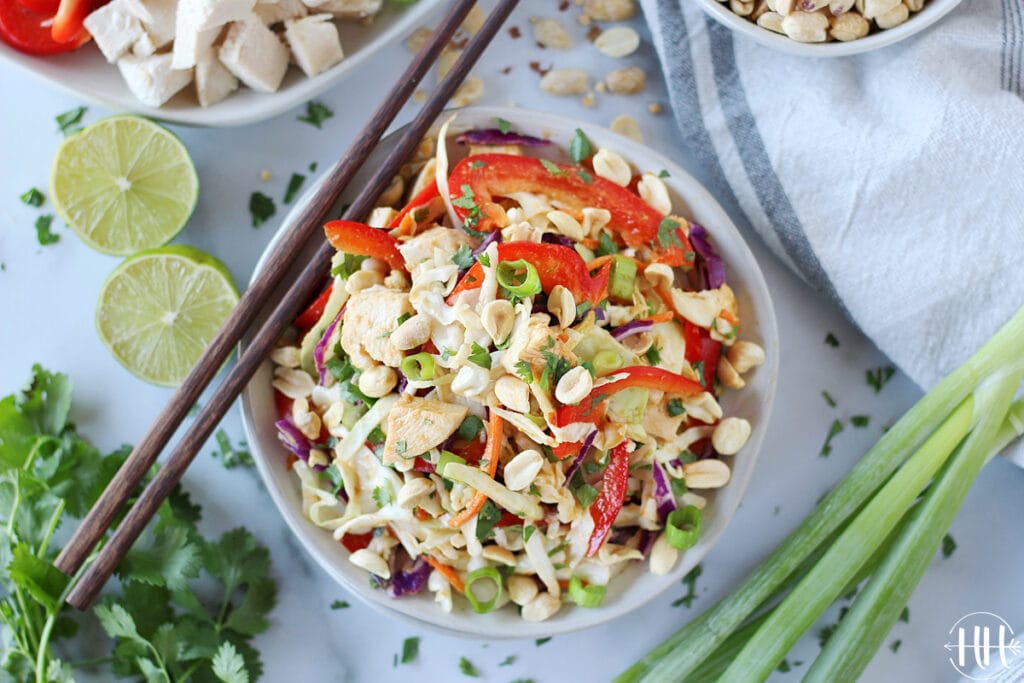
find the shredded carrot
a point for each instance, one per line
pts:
(291, 461)
(447, 572)
(728, 317)
(666, 298)
(590, 243)
(422, 514)
(662, 317)
(607, 258)
(491, 452)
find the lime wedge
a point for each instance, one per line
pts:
(159, 310)
(124, 184)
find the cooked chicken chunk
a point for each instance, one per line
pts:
(415, 425)
(371, 316)
(435, 247)
(529, 342)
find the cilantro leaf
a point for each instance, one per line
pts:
(480, 356)
(668, 233)
(33, 197)
(229, 665)
(828, 399)
(835, 429)
(43, 232)
(467, 668)
(466, 200)
(489, 515)
(294, 185)
(878, 377)
(230, 456)
(168, 558)
(382, 495)
(410, 649)
(674, 407)
(503, 125)
(860, 421)
(316, 114)
(831, 340)
(261, 208)
(37, 577)
(340, 604)
(524, 371)
(68, 122)
(606, 245)
(580, 148)
(551, 167)
(948, 545)
(463, 258)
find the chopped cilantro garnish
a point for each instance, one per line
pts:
(410, 649)
(678, 487)
(580, 148)
(584, 493)
(554, 367)
(541, 641)
(860, 421)
(831, 340)
(668, 233)
(467, 668)
(524, 371)
(312, 167)
(551, 167)
(905, 615)
(484, 260)
(294, 184)
(230, 456)
(653, 355)
(33, 197)
(675, 407)
(382, 495)
(585, 177)
(488, 516)
(690, 581)
(835, 429)
(508, 661)
(261, 208)
(477, 164)
(606, 245)
(663, 173)
(503, 125)
(828, 399)
(784, 667)
(480, 356)
(43, 232)
(948, 545)
(333, 475)
(340, 604)
(879, 376)
(316, 114)
(69, 120)
(466, 200)
(698, 367)
(470, 427)
(895, 645)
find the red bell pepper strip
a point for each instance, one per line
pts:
(29, 31)
(68, 22)
(422, 199)
(315, 311)
(498, 175)
(608, 503)
(701, 348)
(555, 264)
(591, 409)
(360, 239)
(354, 542)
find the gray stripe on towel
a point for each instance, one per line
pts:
(766, 183)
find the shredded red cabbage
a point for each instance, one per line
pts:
(492, 237)
(494, 136)
(552, 238)
(321, 347)
(646, 542)
(629, 329)
(410, 580)
(587, 443)
(295, 441)
(711, 265)
(663, 496)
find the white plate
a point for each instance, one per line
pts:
(636, 585)
(933, 11)
(86, 74)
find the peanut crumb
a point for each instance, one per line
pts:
(419, 96)
(654, 108)
(265, 175)
(588, 100)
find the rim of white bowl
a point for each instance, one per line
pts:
(681, 183)
(919, 21)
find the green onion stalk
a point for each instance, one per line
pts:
(947, 410)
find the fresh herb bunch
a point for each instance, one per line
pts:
(165, 626)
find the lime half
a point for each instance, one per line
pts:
(124, 184)
(159, 310)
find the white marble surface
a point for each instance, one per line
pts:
(47, 299)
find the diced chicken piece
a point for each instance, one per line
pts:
(314, 42)
(114, 29)
(658, 423)
(431, 246)
(276, 11)
(371, 315)
(347, 9)
(201, 15)
(531, 343)
(158, 18)
(152, 79)
(255, 54)
(415, 425)
(191, 45)
(213, 81)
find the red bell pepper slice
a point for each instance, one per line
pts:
(608, 503)
(315, 311)
(354, 542)
(360, 239)
(701, 348)
(556, 265)
(421, 200)
(591, 409)
(68, 22)
(498, 175)
(30, 31)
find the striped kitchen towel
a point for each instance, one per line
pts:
(892, 181)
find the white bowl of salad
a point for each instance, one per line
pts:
(533, 395)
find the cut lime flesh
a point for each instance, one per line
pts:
(124, 184)
(159, 310)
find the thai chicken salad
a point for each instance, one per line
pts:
(510, 389)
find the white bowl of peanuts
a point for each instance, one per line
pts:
(827, 28)
(523, 602)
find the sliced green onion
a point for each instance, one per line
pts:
(484, 574)
(682, 528)
(519, 277)
(586, 596)
(470, 427)
(444, 459)
(418, 366)
(606, 362)
(622, 281)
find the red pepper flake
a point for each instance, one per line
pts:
(514, 32)
(460, 43)
(507, 70)
(593, 32)
(537, 68)
(564, 5)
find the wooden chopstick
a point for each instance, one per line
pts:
(99, 519)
